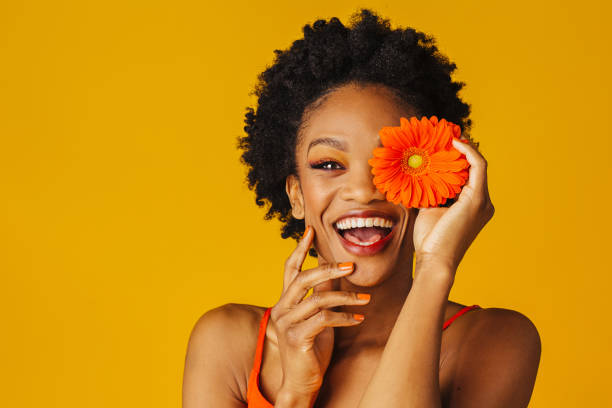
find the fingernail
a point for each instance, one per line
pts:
(345, 266)
(306, 231)
(358, 316)
(363, 296)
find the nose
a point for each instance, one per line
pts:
(359, 186)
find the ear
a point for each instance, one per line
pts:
(294, 192)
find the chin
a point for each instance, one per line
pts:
(369, 271)
(368, 276)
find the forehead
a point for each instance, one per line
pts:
(354, 112)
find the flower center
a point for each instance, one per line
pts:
(414, 161)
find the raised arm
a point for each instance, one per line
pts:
(408, 372)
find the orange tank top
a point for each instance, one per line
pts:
(255, 399)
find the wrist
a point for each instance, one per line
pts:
(432, 274)
(287, 398)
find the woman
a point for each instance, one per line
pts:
(370, 335)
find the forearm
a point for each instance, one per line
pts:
(408, 371)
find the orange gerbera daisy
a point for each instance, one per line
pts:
(418, 165)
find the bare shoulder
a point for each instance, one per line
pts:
(227, 321)
(505, 327)
(497, 361)
(220, 353)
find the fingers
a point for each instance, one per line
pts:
(308, 329)
(322, 300)
(294, 263)
(477, 179)
(302, 283)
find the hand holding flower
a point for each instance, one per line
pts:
(422, 164)
(443, 235)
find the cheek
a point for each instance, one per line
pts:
(318, 194)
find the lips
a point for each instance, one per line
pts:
(365, 232)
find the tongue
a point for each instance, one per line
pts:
(366, 234)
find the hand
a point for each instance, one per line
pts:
(443, 235)
(304, 327)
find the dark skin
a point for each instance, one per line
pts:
(486, 358)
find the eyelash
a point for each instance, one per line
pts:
(321, 163)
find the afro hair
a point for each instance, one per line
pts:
(329, 56)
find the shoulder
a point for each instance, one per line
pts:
(497, 360)
(232, 326)
(227, 320)
(498, 326)
(222, 345)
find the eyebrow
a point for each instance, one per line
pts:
(330, 141)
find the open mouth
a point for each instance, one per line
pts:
(364, 231)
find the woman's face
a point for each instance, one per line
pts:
(335, 185)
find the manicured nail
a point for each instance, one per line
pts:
(345, 266)
(363, 296)
(306, 231)
(358, 316)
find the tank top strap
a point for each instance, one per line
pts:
(255, 398)
(260, 339)
(463, 310)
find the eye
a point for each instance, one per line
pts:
(326, 165)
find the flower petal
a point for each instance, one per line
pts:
(417, 191)
(427, 130)
(378, 164)
(406, 192)
(388, 153)
(443, 137)
(436, 190)
(453, 179)
(440, 185)
(431, 198)
(456, 130)
(394, 137)
(439, 164)
(447, 155)
(393, 188)
(386, 176)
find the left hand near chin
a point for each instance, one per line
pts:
(443, 235)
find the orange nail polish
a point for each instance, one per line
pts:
(358, 316)
(306, 231)
(364, 296)
(345, 266)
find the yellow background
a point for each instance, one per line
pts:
(124, 215)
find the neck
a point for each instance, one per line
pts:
(380, 313)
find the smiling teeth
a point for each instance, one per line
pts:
(348, 223)
(366, 243)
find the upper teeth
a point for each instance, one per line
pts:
(356, 222)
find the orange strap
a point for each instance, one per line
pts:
(254, 397)
(459, 313)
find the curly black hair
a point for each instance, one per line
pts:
(329, 56)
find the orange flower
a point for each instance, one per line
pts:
(418, 165)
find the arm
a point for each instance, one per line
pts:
(408, 372)
(209, 379)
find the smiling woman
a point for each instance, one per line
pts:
(370, 335)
